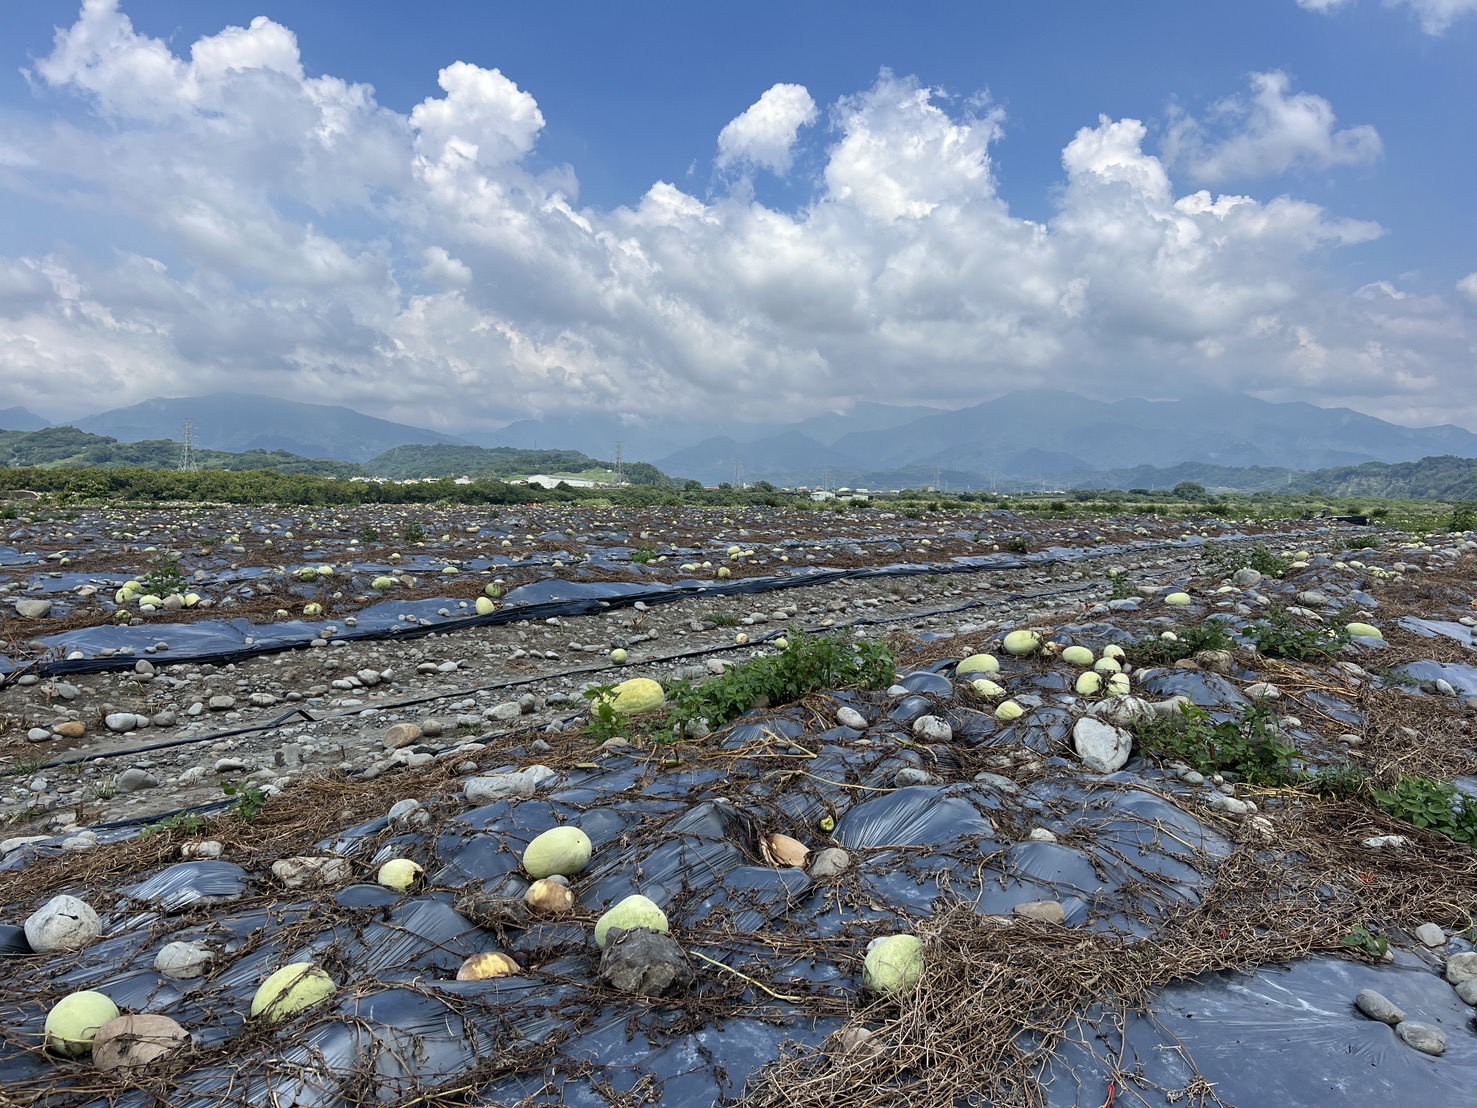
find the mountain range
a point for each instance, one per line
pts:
(240, 422)
(1027, 437)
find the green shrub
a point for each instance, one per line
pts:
(1434, 805)
(805, 666)
(1278, 635)
(1248, 746)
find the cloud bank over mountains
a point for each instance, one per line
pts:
(290, 235)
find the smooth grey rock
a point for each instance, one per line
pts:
(402, 734)
(1377, 1006)
(120, 722)
(505, 712)
(850, 717)
(133, 779)
(830, 862)
(33, 609)
(644, 962)
(932, 729)
(1041, 835)
(1431, 935)
(1422, 1037)
(1102, 747)
(7, 845)
(1461, 967)
(1228, 804)
(221, 703)
(1467, 991)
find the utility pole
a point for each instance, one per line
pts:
(620, 461)
(187, 462)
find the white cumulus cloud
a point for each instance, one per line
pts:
(1274, 132)
(764, 135)
(288, 234)
(1437, 16)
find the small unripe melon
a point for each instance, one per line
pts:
(1108, 665)
(399, 874)
(639, 694)
(619, 656)
(986, 690)
(1009, 710)
(485, 606)
(893, 965)
(565, 850)
(73, 1022)
(1119, 685)
(1363, 631)
(1089, 683)
(1177, 599)
(635, 911)
(291, 989)
(977, 663)
(1021, 643)
(1077, 656)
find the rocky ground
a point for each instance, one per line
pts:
(155, 734)
(455, 710)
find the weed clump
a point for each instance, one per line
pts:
(806, 665)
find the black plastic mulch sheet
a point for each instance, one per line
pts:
(1130, 851)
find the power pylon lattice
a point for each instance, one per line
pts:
(187, 463)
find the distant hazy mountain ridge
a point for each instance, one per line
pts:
(1031, 438)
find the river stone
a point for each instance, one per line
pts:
(830, 862)
(133, 779)
(1378, 1007)
(33, 609)
(1102, 747)
(1246, 578)
(402, 735)
(850, 717)
(63, 923)
(1422, 1037)
(932, 729)
(1431, 935)
(1461, 967)
(1467, 991)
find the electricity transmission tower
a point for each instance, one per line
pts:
(620, 461)
(187, 463)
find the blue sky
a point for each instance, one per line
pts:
(472, 213)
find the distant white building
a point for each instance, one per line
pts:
(544, 481)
